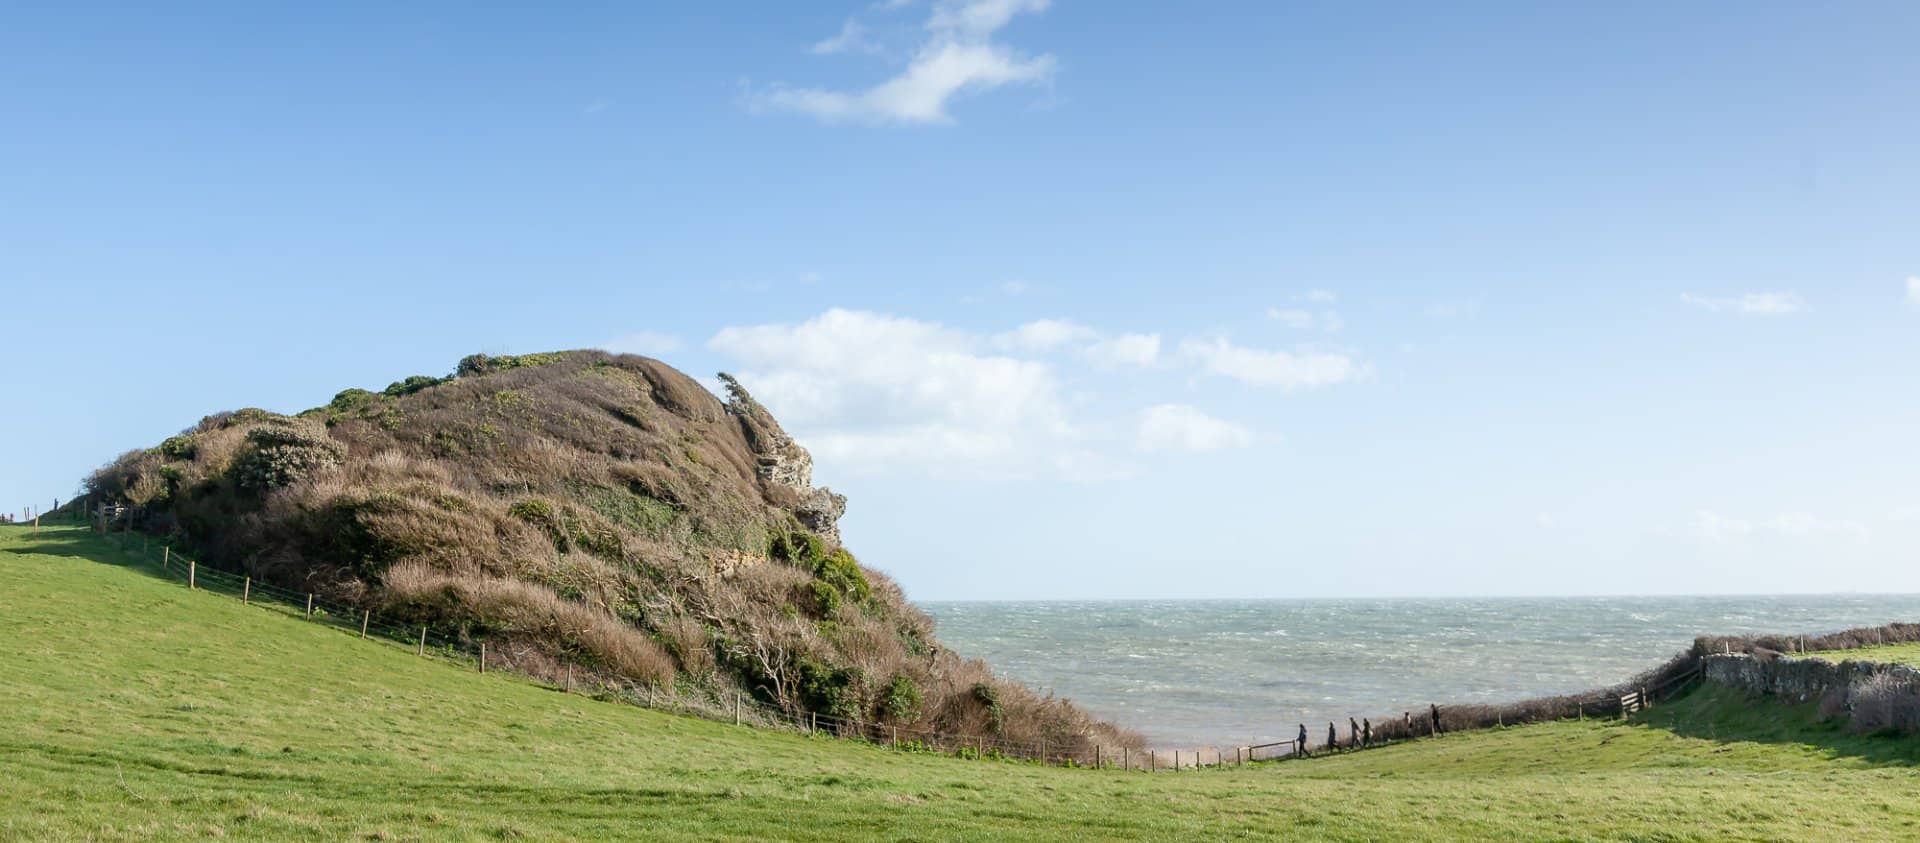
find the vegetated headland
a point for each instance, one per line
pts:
(581, 511)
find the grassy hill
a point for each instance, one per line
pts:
(135, 709)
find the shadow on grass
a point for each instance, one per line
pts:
(79, 542)
(1725, 715)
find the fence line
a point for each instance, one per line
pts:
(739, 708)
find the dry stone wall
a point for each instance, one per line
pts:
(1796, 679)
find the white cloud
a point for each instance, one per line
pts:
(1801, 524)
(1322, 296)
(1913, 290)
(1043, 335)
(1285, 369)
(1711, 526)
(1015, 288)
(852, 37)
(957, 57)
(1125, 350)
(1325, 320)
(1178, 427)
(869, 390)
(650, 343)
(1749, 304)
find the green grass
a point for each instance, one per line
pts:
(1908, 653)
(134, 709)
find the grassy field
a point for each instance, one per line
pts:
(1908, 653)
(135, 709)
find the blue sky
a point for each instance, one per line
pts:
(1071, 299)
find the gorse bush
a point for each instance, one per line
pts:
(411, 385)
(287, 451)
(902, 699)
(582, 508)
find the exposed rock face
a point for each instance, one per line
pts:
(783, 462)
(820, 512)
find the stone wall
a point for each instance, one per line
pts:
(1796, 679)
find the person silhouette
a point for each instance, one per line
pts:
(1353, 733)
(1333, 736)
(1366, 732)
(1300, 744)
(1436, 717)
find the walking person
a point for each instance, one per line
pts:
(1300, 744)
(1436, 717)
(1333, 736)
(1353, 733)
(1366, 733)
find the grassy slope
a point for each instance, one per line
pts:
(135, 710)
(1908, 653)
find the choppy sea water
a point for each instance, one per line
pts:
(1224, 672)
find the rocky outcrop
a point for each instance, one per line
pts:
(781, 461)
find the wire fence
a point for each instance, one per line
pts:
(117, 525)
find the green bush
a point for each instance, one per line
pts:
(832, 691)
(285, 453)
(180, 447)
(348, 399)
(902, 699)
(826, 598)
(481, 364)
(411, 385)
(840, 570)
(989, 696)
(837, 574)
(533, 511)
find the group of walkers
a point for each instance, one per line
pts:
(1360, 732)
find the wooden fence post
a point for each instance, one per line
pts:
(365, 615)
(1096, 756)
(483, 657)
(1126, 758)
(1153, 761)
(246, 590)
(423, 639)
(736, 708)
(309, 605)
(166, 557)
(736, 711)
(190, 574)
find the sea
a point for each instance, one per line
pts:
(1230, 672)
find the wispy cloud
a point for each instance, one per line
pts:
(1044, 335)
(1749, 304)
(851, 38)
(1913, 290)
(1179, 427)
(957, 56)
(1263, 367)
(1124, 350)
(1293, 317)
(1710, 526)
